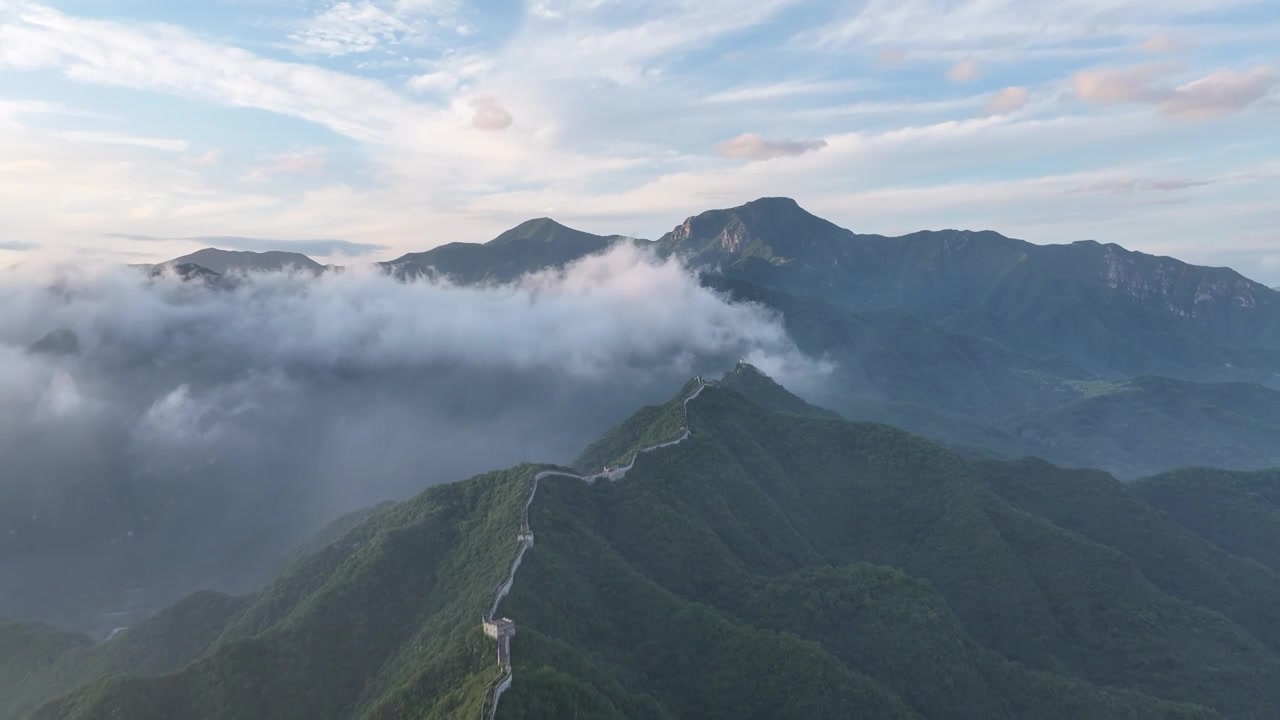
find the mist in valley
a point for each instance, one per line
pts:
(162, 436)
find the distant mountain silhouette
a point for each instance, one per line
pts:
(529, 247)
(231, 261)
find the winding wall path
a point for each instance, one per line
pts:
(503, 682)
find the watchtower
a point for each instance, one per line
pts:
(502, 630)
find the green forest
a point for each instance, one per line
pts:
(780, 563)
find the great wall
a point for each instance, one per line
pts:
(503, 629)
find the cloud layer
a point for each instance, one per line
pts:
(195, 422)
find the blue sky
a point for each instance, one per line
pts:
(131, 129)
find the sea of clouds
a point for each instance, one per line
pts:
(197, 431)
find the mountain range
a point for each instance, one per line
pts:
(972, 338)
(779, 563)
(1006, 511)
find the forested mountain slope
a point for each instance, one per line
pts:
(382, 623)
(773, 565)
(772, 542)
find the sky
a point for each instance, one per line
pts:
(134, 130)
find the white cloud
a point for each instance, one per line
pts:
(360, 26)
(774, 91)
(438, 81)
(110, 138)
(403, 132)
(591, 42)
(903, 108)
(750, 146)
(545, 11)
(346, 27)
(930, 27)
(324, 395)
(966, 70)
(1219, 93)
(621, 309)
(1120, 85)
(1138, 185)
(1008, 100)
(11, 109)
(167, 59)
(489, 114)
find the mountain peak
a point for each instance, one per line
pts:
(223, 261)
(775, 229)
(755, 385)
(540, 225)
(531, 246)
(778, 202)
(546, 230)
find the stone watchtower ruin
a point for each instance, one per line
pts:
(502, 630)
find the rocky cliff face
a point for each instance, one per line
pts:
(981, 273)
(1183, 289)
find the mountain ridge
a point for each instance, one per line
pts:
(642, 538)
(925, 266)
(971, 337)
(1114, 311)
(223, 262)
(706, 583)
(533, 245)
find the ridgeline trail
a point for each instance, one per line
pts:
(502, 629)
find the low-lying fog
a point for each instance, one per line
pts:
(171, 436)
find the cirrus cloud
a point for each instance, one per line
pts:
(1008, 100)
(750, 146)
(1221, 92)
